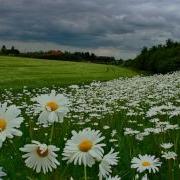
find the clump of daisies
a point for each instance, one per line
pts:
(169, 156)
(10, 121)
(40, 157)
(166, 153)
(86, 148)
(52, 107)
(144, 163)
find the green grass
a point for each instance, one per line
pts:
(16, 72)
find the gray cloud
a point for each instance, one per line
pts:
(116, 27)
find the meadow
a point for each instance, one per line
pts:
(126, 127)
(16, 72)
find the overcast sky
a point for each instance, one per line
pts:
(117, 28)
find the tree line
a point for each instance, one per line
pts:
(59, 55)
(11, 51)
(157, 59)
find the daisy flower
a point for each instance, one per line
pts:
(2, 173)
(9, 122)
(107, 161)
(84, 147)
(146, 162)
(169, 155)
(40, 156)
(52, 107)
(166, 145)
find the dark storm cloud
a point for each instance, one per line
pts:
(124, 25)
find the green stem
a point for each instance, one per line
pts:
(64, 171)
(176, 143)
(30, 129)
(85, 173)
(13, 148)
(170, 170)
(130, 146)
(51, 135)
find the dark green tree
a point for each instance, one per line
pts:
(3, 50)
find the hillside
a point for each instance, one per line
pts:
(17, 72)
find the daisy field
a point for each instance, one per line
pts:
(126, 128)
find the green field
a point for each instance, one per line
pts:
(17, 72)
(136, 116)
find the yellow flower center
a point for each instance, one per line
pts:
(52, 105)
(85, 145)
(42, 153)
(146, 163)
(2, 124)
